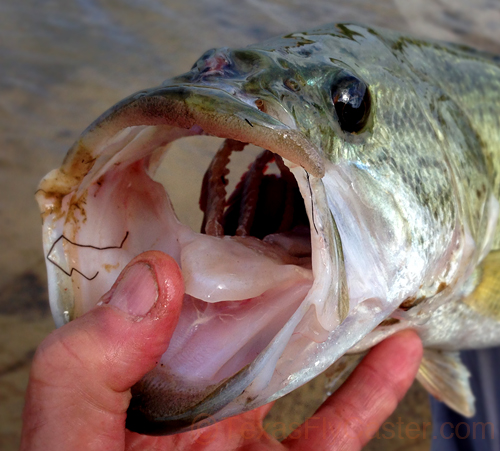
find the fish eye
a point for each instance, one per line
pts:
(352, 102)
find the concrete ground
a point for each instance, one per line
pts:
(63, 63)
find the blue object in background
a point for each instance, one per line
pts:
(452, 431)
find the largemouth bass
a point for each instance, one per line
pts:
(381, 214)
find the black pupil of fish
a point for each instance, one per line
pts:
(352, 104)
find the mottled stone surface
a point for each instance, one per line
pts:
(63, 63)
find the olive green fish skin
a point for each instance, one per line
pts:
(424, 171)
(466, 104)
(423, 93)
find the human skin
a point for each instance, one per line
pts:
(79, 387)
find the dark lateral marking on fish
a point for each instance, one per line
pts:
(312, 203)
(70, 273)
(249, 123)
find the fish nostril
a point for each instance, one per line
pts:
(216, 63)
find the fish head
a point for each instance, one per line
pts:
(267, 307)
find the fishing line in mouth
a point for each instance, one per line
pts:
(90, 246)
(312, 203)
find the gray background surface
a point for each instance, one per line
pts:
(63, 63)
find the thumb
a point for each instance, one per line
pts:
(81, 375)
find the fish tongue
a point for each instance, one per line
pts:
(221, 269)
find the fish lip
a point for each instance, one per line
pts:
(217, 112)
(212, 110)
(198, 110)
(139, 420)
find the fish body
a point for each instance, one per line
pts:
(383, 216)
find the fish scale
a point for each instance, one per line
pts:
(463, 75)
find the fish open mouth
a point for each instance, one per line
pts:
(263, 257)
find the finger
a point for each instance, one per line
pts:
(261, 412)
(81, 374)
(351, 416)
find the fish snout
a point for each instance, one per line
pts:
(228, 63)
(214, 61)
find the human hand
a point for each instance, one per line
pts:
(79, 388)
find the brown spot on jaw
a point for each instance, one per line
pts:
(441, 287)
(410, 302)
(77, 205)
(413, 301)
(109, 267)
(389, 322)
(61, 182)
